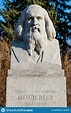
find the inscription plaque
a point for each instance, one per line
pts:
(25, 91)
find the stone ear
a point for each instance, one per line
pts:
(19, 26)
(50, 30)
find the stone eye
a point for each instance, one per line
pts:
(30, 18)
(39, 17)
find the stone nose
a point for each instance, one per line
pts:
(35, 21)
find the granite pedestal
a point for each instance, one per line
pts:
(36, 84)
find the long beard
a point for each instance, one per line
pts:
(34, 41)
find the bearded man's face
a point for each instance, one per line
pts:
(34, 29)
(35, 20)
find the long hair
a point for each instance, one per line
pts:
(19, 29)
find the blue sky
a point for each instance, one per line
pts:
(1, 6)
(1, 3)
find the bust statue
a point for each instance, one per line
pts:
(35, 34)
(34, 27)
(36, 76)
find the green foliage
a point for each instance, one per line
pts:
(53, 15)
(10, 21)
(10, 13)
(39, 2)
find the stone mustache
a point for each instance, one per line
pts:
(34, 27)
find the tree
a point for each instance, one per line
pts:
(10, 13)
(61, 7)
(69, 22)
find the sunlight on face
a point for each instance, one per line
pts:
(34, 18)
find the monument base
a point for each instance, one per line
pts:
(36, 89)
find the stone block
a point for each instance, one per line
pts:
(36, 87)
(21, 59)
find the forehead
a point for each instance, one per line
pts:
(35, 11)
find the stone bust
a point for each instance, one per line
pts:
(34, 27)
(34, 38)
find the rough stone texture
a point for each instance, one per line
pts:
(40, 69)
(21, 60)
(43, 82)
(41, 85)
(48, 91)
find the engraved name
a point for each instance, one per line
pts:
(35, 97)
